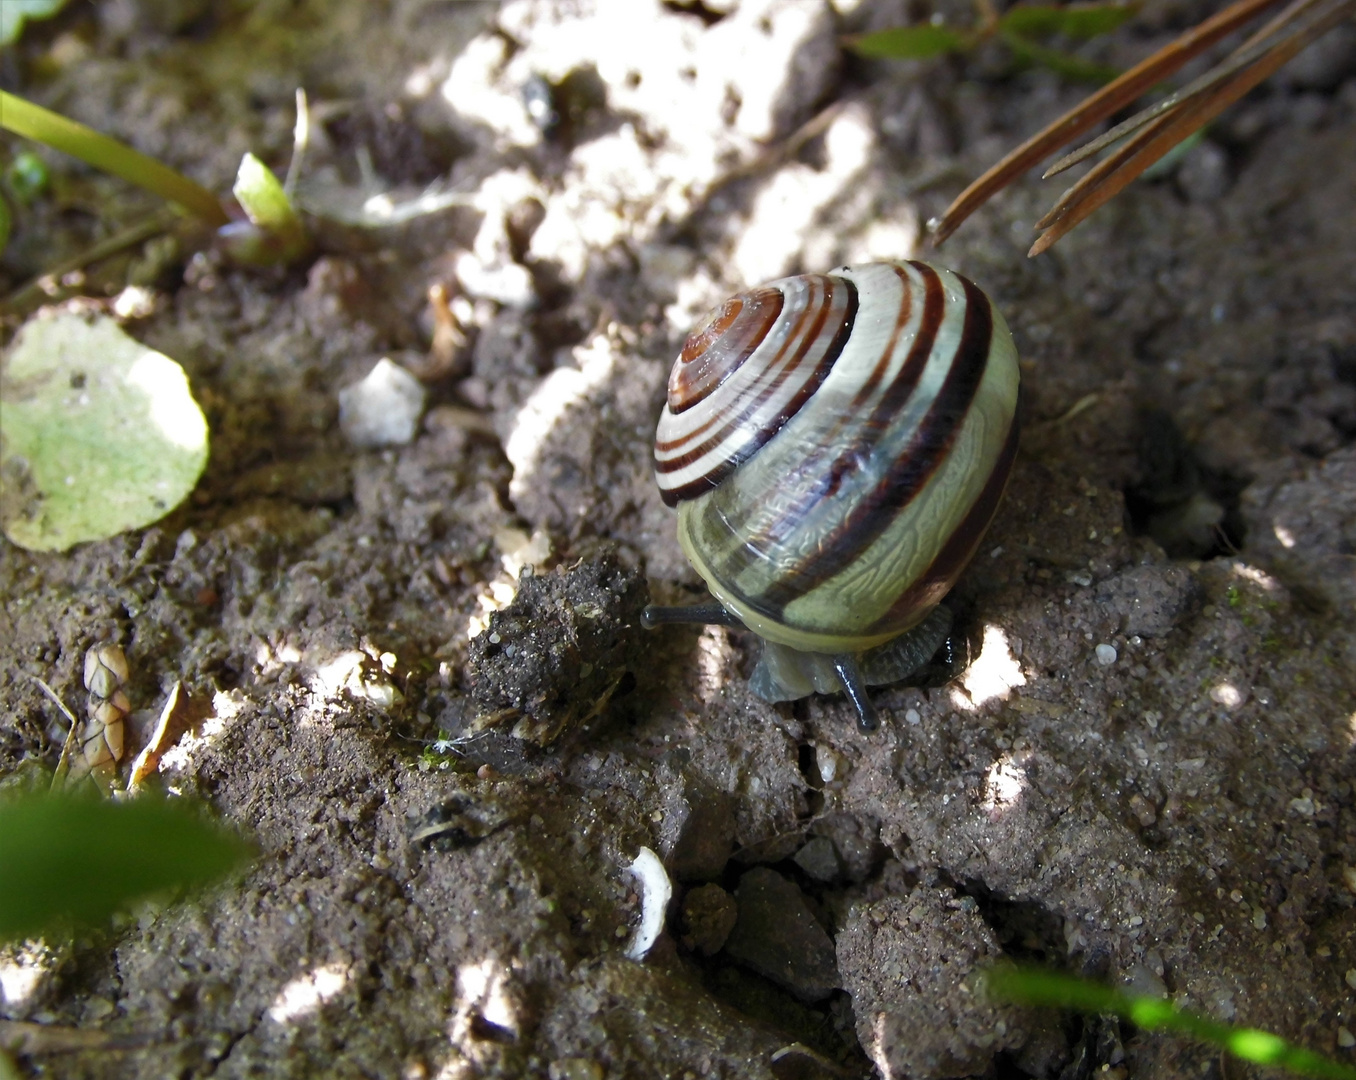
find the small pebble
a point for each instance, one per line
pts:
(1349, 877)
(383, 409)
(912, 716)
(1345, 1039)
(1351, 978)
(1259, 919)
(575, 1069)
(1106, 654)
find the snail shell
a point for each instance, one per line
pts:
(836, 445)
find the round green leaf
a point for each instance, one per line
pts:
(98, 433)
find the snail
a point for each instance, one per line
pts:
(836, 445)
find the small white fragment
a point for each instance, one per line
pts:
(1303, 806)
(828, 762)
(655, 892)
(1106, 654)
(1226, 694)
(1351, 978)
(1349, 877)
(1345, 1039)
(383, 409)
(913, 716)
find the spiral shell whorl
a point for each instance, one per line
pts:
(836, 458)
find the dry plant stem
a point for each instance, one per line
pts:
(1110, 176)
(1251, 50)
(1115, 95)
(34, 291)
(64, 760)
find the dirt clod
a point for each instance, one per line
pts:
(554, 658)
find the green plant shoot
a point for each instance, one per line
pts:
(275, 233)
(1025, 986)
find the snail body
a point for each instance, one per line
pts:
(836, 445)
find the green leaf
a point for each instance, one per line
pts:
(262, 197)
(1073, 68)
(278, 234)
(83, 859)
(1076, 20)
(907, 43)
(14, 12)
(99, 434)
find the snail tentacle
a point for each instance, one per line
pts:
(850, 675)
(708, 613)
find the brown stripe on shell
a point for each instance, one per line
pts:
(845, 458)
(879, 508)
(778, 367)
(936, 581)
(715, 352)
(767, 382)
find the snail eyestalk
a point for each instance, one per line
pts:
(710, 613)
(868, 720)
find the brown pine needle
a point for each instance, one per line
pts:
(1097, 107)
(1110, 176)
(1253, 49)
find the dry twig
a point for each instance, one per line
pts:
(1154, 131)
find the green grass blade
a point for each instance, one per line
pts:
(34, 122)
(907, 43)
(1032, 987)
(1076, 20)
(82, 859)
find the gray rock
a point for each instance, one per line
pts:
(1151, 600)
(1302, 527)
(697, 834)
(777, 936)
(709, 914)
(856, 840)
(1324, 64)
(819, 859)
(911, 966)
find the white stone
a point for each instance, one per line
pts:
(655, 892)
(383, 409)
